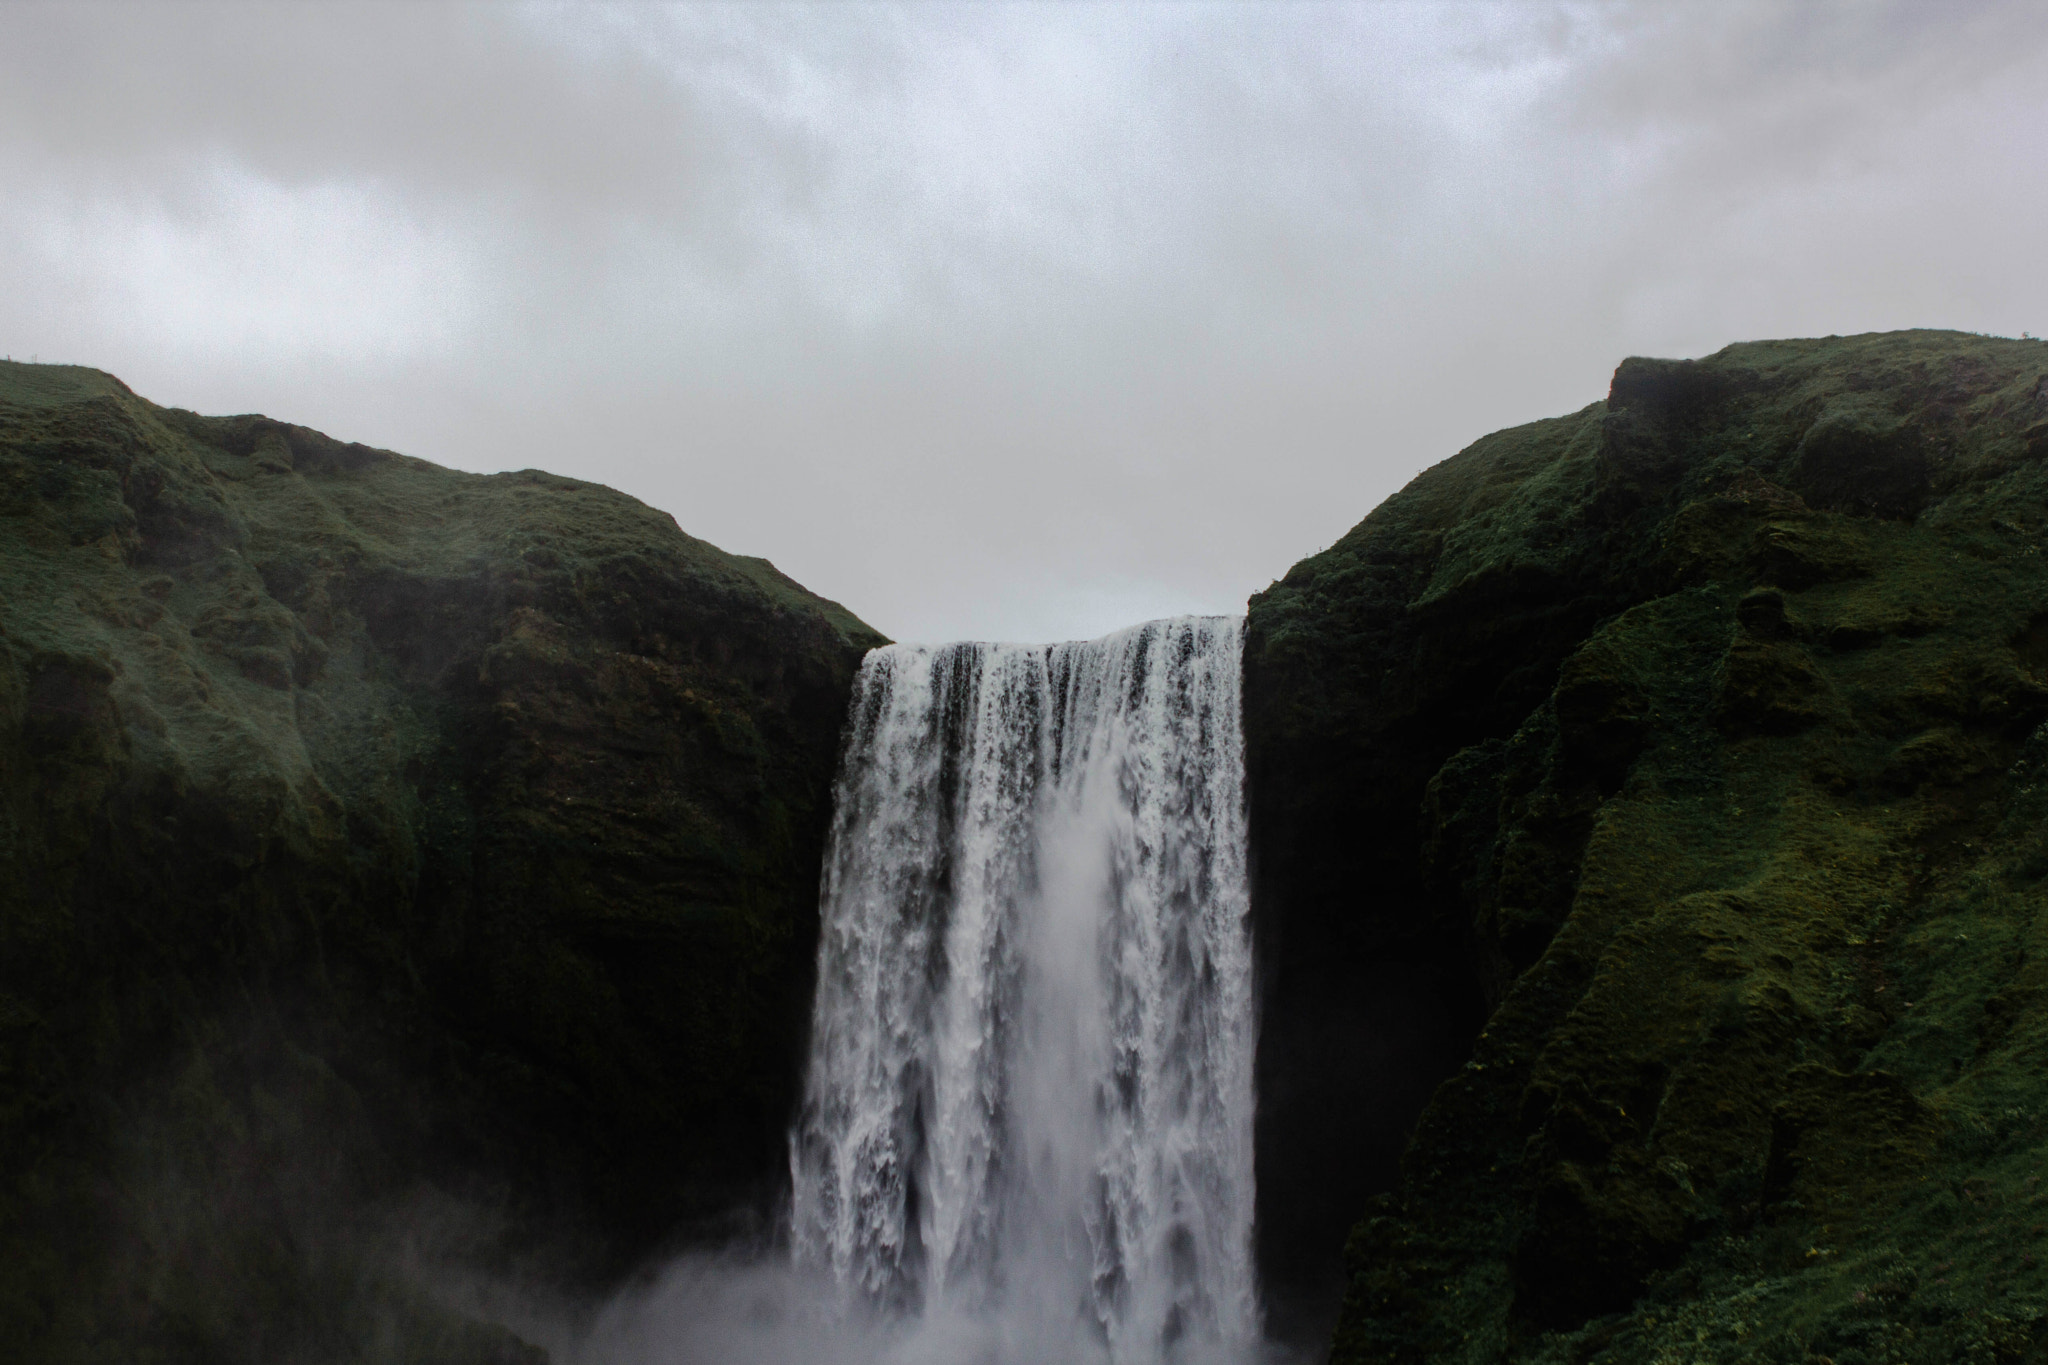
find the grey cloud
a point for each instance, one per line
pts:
(993, 320)
(437, 99)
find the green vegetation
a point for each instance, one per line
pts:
(1724, 705)
(386, 849)
(406, 867)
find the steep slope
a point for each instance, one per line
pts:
(371, 830)
(1688, 751)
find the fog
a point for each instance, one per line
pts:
(994, 321)
(707, 1310)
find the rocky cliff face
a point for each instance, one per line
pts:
(1653, 800)
(374, 831)
(1675, 776)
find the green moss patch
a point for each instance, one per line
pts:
(367, 828)
(1750, 886)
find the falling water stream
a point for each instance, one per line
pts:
(1026, 1133)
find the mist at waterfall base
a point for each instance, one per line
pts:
(1026, 1134)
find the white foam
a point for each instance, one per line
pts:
(1027, 1124)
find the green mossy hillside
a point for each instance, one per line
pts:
(376, 834)
(1707, 729)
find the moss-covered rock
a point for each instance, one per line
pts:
(1690, 751)
(369, 828)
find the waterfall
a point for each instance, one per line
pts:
(1027, 1120)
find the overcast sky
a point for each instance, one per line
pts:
(996, 322)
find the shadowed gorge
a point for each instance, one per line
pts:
(1668, 771)
(372, 830)
(1640, 855)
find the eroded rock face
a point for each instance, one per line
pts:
(375, 831)
(1687, 758)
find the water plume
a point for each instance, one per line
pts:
(1027, 1126)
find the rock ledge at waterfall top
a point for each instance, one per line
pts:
(373, 831)
(1691, 751)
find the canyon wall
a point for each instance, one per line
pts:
(1658, 790)
(386, 848)
(1647, 841)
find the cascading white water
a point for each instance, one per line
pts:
(1027, 1125)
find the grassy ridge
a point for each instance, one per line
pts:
(373, 833)
(1704, 730)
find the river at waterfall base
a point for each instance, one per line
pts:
(1026, 1133)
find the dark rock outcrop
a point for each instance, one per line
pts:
(373, 832)
(1675, 770)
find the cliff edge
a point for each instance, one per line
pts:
(1677, 770)
(377, 835)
